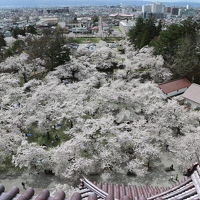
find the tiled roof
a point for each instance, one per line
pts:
(174, 85)
(189, 189)
(193, 93)
(110, 191)
(14, 194)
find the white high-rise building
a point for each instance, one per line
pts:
(155, 8)
(188, 7)
(158, 8)
(146, 8)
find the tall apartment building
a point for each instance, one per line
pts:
(155, 9)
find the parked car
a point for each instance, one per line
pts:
(111, 45)
(91, 46)
(73, 46)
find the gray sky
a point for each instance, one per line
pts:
(37, 3)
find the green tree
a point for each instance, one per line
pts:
(17, 48)
(18, 31)
(144, 32)
(31, 29)
(95, 19)
(2, 44)
(2, 41)
(56, 54)
(171, 38)
(167, 40)
(135, 33)
(187, 60)
(51, 48)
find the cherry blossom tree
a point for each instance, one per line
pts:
(112, 123)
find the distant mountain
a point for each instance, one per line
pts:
(50, 3)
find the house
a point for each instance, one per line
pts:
(192, 95)
(175, 87)
(126, 25)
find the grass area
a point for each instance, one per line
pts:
(93, 40)
(38, 75)
(85, 40)
(52, 138)
(85, 153)
(120, 59)
(141, 70)
(116, 27)
(112, 39)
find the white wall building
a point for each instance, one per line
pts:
(126, 25)
(154, 8)
(146, 8)
(157, 8)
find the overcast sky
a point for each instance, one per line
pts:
(37, 3)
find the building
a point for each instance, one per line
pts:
(188, 12)
(175, 87)
(188, 189)
(168, 9)
(188, 7)
(192, 95)
(175, 11)
(85, 21)
(121, 16)
(126, 25)
(79, 30)
(63, 10)
(146, 8)
(155, 9)
(49, 21)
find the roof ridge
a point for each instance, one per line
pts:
(170, 81)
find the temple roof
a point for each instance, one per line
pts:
(188, 189)
(14, 194)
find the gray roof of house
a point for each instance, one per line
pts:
(193, 93)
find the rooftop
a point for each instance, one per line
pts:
(193, 93)
(188, 189)
(174, 85)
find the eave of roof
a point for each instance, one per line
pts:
(174, 85)
(193, 93)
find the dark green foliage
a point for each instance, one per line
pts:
(178, 45)
(31, 29)
(169, 40)
(2, 45)
(52, 138)
(17, 48)
(51, 48)
(56, 54)
(2, 41)
(95, 19)
(144, 32)
(18, 31)
(187, 60)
